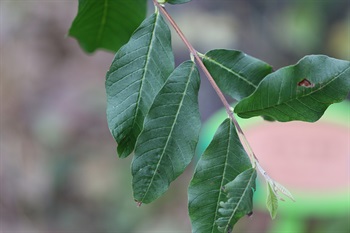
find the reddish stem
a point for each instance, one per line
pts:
(208, 75)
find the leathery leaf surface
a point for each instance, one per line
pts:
(240, 200)
(169, 138)
(139, 70)
(236, 73)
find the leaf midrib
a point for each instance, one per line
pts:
(222, 180)
(145, 71)
(230, 71)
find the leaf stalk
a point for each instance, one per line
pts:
(198, 59)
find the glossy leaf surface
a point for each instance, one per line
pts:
(237, 74)
(299, 92)
(139, 70)
(222, 162)
(240, 200)
(170, 135)
(106, 24)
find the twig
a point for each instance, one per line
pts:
(194, 54)
(211, 80)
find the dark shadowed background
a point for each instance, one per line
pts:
(59, 169)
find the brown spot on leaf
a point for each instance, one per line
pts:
(250, 214)
(305, 83)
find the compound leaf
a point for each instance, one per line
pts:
(237, 74)
(299, 92)
(106, 24)
(170, 135)
(139, 70)
(240, 200)
(222, 162)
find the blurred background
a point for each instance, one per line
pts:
(58, 168)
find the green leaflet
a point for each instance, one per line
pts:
(106, 24)
(237, 74)
(170, 135)
(299, 92)
(271, 201)
(222, 162)
(240, 200)
(137, 73)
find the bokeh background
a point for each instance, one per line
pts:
(59, 169)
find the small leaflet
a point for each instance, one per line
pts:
(271, 201)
